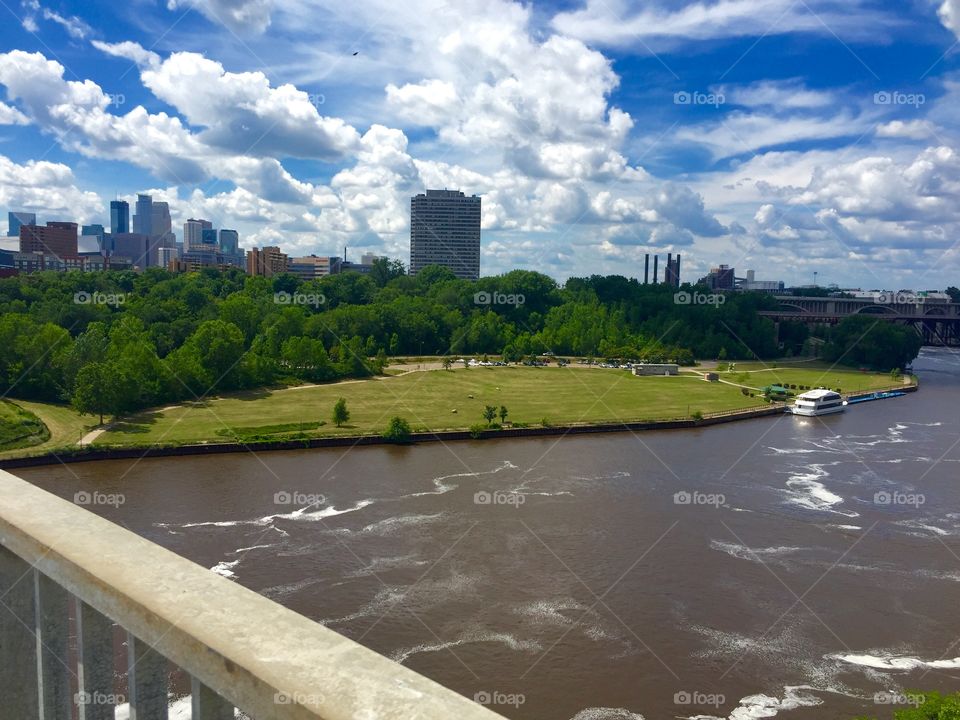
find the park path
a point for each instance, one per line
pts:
(93, 435)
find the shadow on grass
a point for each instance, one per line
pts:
(136, 424)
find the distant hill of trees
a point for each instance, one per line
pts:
(114, 342)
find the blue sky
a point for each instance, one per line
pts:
(783, 136)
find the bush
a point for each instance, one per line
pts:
(476, 431)
(697, 415)
(398, 430)
(545, 422)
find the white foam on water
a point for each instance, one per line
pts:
(299, 514)
(551, 611)
(895, 663)
(252, 547)
(766, 706)
(848, 527)
(920, 525)
(384, 564)
(225, 568)
(441, 487)
(602, 713)
(511, 641)
(392, 524)
(279, 591)
(806, 491)
(743, 552)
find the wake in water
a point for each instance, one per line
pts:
(507, 639)
(895, 663)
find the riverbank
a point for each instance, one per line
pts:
(90, 453)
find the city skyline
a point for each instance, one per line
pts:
(813, 137)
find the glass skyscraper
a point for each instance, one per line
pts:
(119, 216)
(16, 219)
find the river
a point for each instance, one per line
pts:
(781, 566)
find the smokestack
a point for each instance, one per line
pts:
(656, 259)
(646, 268)
(678, 269)
(344, 253)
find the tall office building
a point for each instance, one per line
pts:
(57, 238)
(119, 216)
(229, 242)
(193, 233)
(208, 237)
(160, 219)
(143, 218)
(445, 230)
(16, 219)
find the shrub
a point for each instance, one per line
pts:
(476, 431)
(545, 422)
(697, 415)
(398, 430)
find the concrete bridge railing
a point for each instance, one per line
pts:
(67, 573)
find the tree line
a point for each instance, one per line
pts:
(113, 342)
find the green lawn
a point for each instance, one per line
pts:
(64, 424)
(813, 374)
(19, 427)
(427, 400)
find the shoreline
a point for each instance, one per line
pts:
(88, 454)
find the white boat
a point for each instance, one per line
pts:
(818, 402)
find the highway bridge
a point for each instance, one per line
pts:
(936, 321)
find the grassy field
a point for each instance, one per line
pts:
(441, 400)
(64, 424)
(427, 400)
(20, 427)
(812, 374)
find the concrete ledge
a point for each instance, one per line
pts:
(241, 645)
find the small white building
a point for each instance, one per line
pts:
(656, 369)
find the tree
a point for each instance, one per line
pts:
(96, 390)
(871, 341)
(398, 430)
(340, 412)
(447, 362)
(466, 363)
(503, 414)
(489, 413)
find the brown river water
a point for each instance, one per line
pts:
(788, 567)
